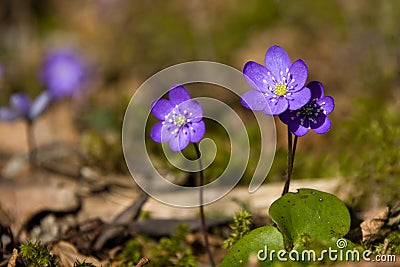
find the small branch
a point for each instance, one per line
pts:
(117, 226)
(52, 169)
(202, 215)
(142, 262)
(13, 260)
(158, 228)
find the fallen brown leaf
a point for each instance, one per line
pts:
(68, 254)
(23, 201)
(371, 228)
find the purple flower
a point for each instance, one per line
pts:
(313, 115)
(278, 85)
(22, 108)
(181, 119)
(63, 73)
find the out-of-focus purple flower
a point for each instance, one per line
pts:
(313, 115)
(181, 119)
(63, 73)
(22, 108)
(279, 85)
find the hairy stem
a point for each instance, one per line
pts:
(202, 215)
(291, 153)
(294, 150)
(31, 143)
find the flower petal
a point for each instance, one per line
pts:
(184, 138)
(299, 99)
(8, 114)
(178, 94)
(63, 73)
(327, 103)
(317, 89)
(254, 100)
(299, 74)
(39, 105)
(180, 141)
(191, 109)
(299, 131)
(161, 108)
(276, 106)
(259, 77)
(20, 102)
(155, 132)
(197, 130)
(168, 131)
(317, 121)
(277, 61)
(287, 117)
(325, 127)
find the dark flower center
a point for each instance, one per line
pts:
(310, 112)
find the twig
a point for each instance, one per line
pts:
(142, 262)
(13, 259)
(116, 227)
(49, 168)
(158, 228)
(132, 212)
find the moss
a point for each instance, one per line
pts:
(131, 253)
(174, 251)
(77, 263)
(391, 244)
(241, 226)
(37, 254)
(168, 251)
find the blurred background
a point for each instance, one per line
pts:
(352, 47)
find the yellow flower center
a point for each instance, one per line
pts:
(280, 90)
(179, 120)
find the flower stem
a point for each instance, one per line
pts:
(31, 143)
(291, 153)
(202, 215)
(294, 150)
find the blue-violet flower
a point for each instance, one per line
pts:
(279, 85)
(313, 115)
(63, 73)
(181, 119)
(22, 108)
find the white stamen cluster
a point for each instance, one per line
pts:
(177, 118)
(282, 87)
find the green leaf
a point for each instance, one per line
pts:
(310, 218)
(264, 239)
